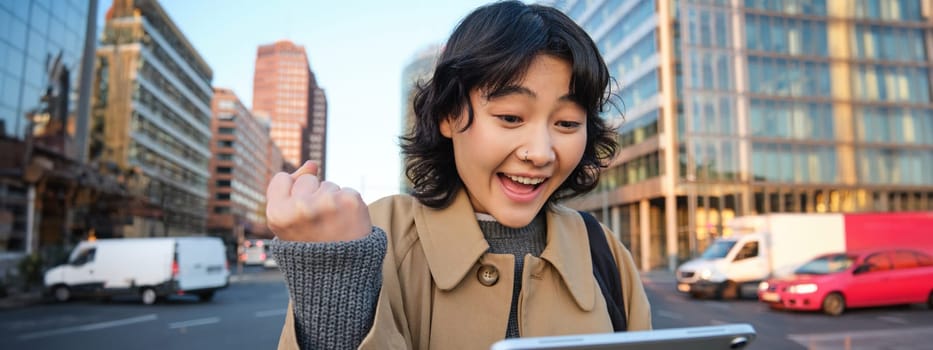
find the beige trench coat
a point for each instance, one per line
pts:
(433, 297)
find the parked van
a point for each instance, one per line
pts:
(149, 267)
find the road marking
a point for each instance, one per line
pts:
(908, 334)
(268, 313)
(893, 319)
(89, 327)
(668, 314)
(193, 323)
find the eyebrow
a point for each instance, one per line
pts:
(521, 90)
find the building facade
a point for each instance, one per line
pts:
(418, 71)
(742, 107)
(46, 188)
(152, 117)
(239, 146)
(286, 92)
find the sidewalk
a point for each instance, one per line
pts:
(658, 276)
(17, 299)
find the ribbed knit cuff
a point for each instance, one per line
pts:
(334, 287)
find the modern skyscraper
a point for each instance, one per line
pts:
(239, 147)
(748, 107)
(152, 116)
(286, 91)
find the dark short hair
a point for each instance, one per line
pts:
(492, 48)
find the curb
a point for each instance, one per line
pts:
(18, 300)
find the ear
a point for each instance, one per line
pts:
(445, 128)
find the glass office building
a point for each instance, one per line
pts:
(742, 107)
(46, 60)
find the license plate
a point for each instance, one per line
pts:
(683, 287)
(770, 297)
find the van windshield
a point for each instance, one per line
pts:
(825, 265)
(717, 250)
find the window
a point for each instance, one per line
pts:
(923, 259)
(904, 259)
(749, 250)
(878, 262)
(84, 257)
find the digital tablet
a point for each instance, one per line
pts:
(726, 336)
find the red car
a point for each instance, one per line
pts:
(834, 282)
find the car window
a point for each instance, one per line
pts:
(923, 259)
(904, 259)
(84, 257)
(878, 262)
(749, 250)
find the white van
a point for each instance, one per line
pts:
(148, 267)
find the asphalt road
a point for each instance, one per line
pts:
(900, 327)
(249, 315)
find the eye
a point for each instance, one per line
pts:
(510, 119)
(568, 124)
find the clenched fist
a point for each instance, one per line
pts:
(302, 208)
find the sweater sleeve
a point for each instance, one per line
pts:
(334, 288)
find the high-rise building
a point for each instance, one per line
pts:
(46, 65)
(236, 208)
(286, 91)
(152, 116)
(735, 108)
(418, 71)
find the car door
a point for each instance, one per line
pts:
(905, 287)
(80, 273)
(870, 281)
(748, 265)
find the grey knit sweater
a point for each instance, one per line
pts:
(335, 286)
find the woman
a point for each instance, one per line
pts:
(508, 126)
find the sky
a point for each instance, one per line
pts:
(357, 50)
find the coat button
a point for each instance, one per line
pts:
(487, 275)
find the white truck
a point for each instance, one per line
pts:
(149, 267)
(774, 245)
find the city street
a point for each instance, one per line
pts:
(249, 314)
(246, 315)
(900, 327)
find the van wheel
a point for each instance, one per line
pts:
(61, 294)
(834, 304)
(149, 296)
(729, 291)
(206, 296)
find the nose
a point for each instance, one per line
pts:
(539, 149)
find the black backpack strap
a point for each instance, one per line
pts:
(606, 272)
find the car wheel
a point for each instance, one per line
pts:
(149, 296)
(61, 294)
(206, 296)
(834, 304)
(930, 300)
(729, 291)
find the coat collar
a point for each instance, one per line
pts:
(453, 243)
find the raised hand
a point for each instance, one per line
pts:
(302, 208)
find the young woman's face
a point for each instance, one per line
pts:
(524, 142)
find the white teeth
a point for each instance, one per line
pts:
(526, 180)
